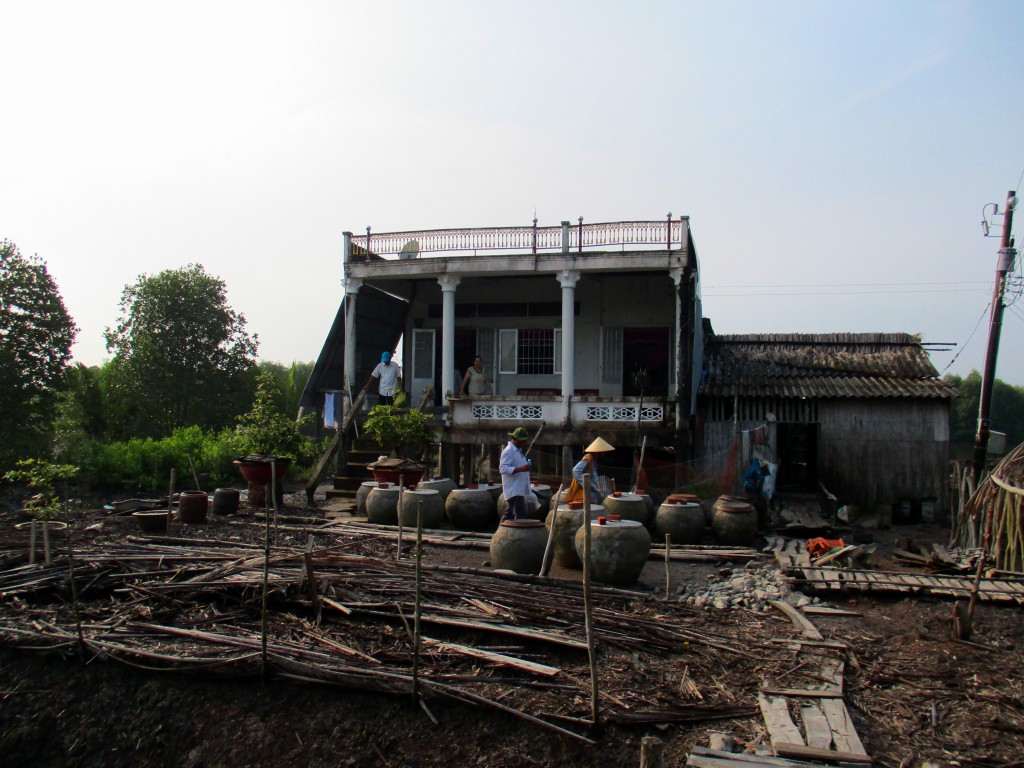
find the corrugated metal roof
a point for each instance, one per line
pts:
(838, 365)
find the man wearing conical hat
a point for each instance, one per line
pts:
(587, 464)
(515, 475)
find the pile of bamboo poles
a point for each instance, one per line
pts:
(993, 516)
(346, 616)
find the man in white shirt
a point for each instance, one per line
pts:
(515, 475)
(389, 376)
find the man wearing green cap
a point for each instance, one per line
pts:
(515, 475)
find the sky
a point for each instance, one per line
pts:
(835, 158)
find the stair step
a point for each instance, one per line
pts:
(348, 482)
(335, 493)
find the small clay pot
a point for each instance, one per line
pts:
(193, 506)
(151, 521)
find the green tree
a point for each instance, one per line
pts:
(36, 333)
(289, 382)
(1006, 414)
(181, 356)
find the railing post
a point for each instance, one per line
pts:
(346, 247)
(367, 243)
(535, 232)
(668, 232)
(565, 237)
(579, 245)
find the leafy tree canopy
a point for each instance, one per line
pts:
(1006, 414)
(36, 333)
(181, 355)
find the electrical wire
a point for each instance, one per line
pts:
(964, 345)
(847, 293)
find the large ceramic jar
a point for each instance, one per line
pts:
(532, 504)
(225, 501)
(518, 545)
(652, 508)
(543, 494)
(471, 509)
(192, 506)
(683, 522)
(628, 506)
(492, 488)
(382, 505)
(362, 493)
(618, 550)
(734, 522)
(443, 485)
(566, 519)
(428, 500)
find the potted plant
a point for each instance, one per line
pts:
(42, 477)
(268, 440)
(404, 435)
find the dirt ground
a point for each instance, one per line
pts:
(915, 694)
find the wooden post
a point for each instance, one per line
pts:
(650, 752)
(263, 606)
(273, 495)
(46, 543)
(170, 501)
(668, 552)
(401, 492)
(588, 614)
(32, 543)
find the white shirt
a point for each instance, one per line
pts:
(388, 375)
(513, 483)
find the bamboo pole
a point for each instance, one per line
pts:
(588, 612)
(170, 501)
(668, 554)
(263, 599)
(47, 560)
(401, 492)
(273, 495)
(32, 543)
(546, 562)
(419, 594)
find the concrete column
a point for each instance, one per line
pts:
(447, 283)
(568, 279)
(676, 274)
(346, 249)
(352, 286)
(565, 236)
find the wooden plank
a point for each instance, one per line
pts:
(817, 733)
(834, 644)
(803, 693)
(741, 760)
(802, 750)
(806, 628)
(781, 727)
(825, 610)
(844, 735)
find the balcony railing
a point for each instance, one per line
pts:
(667, 233)
(511, 411)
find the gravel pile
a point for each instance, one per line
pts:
(751, 587)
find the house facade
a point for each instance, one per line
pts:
(864, 415)
(584, 330)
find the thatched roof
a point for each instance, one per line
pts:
(836, 365)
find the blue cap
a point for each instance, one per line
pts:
(385, 356)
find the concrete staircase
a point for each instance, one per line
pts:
(354, 473)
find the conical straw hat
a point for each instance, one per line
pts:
(599, 446)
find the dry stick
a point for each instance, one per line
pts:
(170, 501)
(273, 494)
(194, 475)
(588, 615)
(668, 551)
(401, 492)
(640, 465)
(416, 614)
(46, 543)
(32, 543)
(546, 562)
(977, 575)
(71, 574)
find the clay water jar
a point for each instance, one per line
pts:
(618, 550)
(683, 522)
(432, 507)
(443, 485)
(734, 523)
(628, 506)
(225, 501)
(193, 506)
(565, 521)
(543, 494)
(471, 509)
(361, 494)
(492, 488)
(652, 508)
(532, 506)
(151, 521)
(382, 505)
(518, 545)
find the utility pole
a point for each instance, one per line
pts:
(1007, 253)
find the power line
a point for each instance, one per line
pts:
(964, 345)
(846, 293)
(842, 285)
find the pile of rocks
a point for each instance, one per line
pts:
(752, 587)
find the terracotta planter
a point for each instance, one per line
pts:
(151, 521)
(258, 474)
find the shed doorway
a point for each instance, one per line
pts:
(798, 458)
(645, 362)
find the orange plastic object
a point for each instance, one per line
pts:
(819, 546)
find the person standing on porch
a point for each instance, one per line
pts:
(389, 378)
(588, 464)
(515, 475)
(476, 376)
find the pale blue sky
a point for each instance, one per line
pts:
(838, 153)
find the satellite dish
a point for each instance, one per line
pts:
(409, 251)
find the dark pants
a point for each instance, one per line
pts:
(515, 509)
(385, 400)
